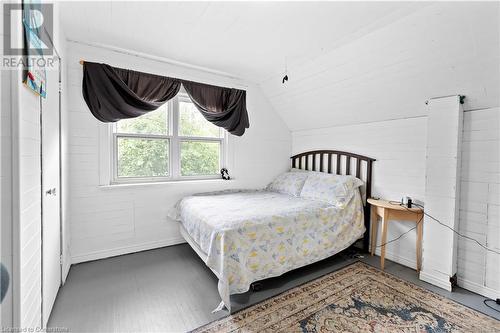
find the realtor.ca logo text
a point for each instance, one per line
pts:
(28, 40)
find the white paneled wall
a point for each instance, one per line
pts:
(113, 220)
(478, 269)
(5, 182)
(21, 199)
(5, 191)
(20, 177)
(399, 147)
(442, 175)
(27, 180)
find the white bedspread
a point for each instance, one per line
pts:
(252, 235)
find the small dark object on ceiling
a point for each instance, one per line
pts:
(285, 78)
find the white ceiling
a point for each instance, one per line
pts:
(247, 39)
(446, 48)
(348, 62)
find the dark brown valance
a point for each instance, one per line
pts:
(114, 93)
(224, 107)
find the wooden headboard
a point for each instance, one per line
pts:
(340, 163)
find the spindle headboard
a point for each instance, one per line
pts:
(340, 163)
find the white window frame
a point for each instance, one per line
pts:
(175, 140)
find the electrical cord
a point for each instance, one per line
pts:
(403, 234)
(435, 219)
(486, 301)
(407, 231)
(458, 233)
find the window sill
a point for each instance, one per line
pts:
(167, 182)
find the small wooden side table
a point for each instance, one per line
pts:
(391, 211)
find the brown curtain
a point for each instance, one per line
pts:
(224, 107)
(114, 93)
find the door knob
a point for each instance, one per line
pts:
(52, 191)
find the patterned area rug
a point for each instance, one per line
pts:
(358, 298)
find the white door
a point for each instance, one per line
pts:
(51, 231)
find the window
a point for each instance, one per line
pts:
(174, 142)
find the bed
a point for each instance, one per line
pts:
(245, 236)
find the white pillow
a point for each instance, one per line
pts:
(289, 183)
(336, 190)
(362, 188)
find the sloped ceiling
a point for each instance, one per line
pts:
(348, 62)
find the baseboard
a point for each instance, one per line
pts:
(435, 280)
(125, 250)
(411, 263)
(479, 289)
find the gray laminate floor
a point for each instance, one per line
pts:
(171, 290)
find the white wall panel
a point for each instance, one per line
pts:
(443, 154)
(29, 204)
(480, 202)
(21, 161)
(108, 221)
(5, 190)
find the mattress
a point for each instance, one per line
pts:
(247, 236)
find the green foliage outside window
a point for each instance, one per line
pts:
(155, 122)
(142, 157)
(192, 122)
(149, 156)
(199, 158)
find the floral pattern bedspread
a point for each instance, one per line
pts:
(251, 235)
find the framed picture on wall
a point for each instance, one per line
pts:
(37, 27)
